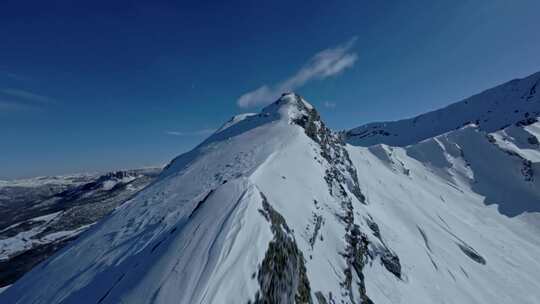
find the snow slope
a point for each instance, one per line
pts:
(515, 101)
(275, 208)
(434, 200)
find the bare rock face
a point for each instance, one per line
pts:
(282, 276)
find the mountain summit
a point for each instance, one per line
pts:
(276, 208)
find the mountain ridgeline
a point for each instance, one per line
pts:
(514, 102)
(277, 208)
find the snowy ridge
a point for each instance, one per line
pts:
(517, 101)
(276, 208)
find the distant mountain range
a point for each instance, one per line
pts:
(274, 207)
(39, 216)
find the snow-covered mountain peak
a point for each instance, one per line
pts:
(282, 116)
(292, 98)
(289, 105)
(276, 208)
(288, 112)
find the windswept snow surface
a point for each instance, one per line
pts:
(274, 208)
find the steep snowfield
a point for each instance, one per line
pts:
(275, 208)
(432, 199)
(491, 110)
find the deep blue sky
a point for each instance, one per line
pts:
(98, 85)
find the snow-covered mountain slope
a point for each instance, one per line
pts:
(462, 215)
(41, 215)
(517, 101)
(276, 208)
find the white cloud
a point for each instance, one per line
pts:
(329, 104)
(21, 100)
(6, 105)
(324, 64)
(26, 95)
(200, 132)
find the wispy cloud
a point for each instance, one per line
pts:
(7, 105)
(22, 100)
(200, 132)
(326, 63)
(26, 95)
(329, 104)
